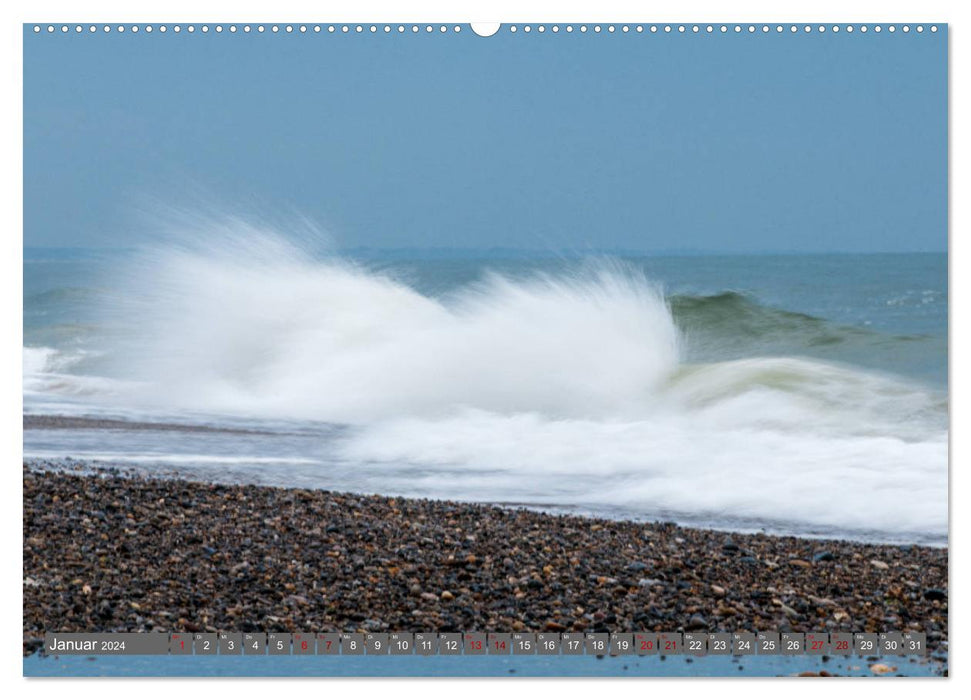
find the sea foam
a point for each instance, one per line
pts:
(270, 331)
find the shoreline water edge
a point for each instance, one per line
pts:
(108, 550)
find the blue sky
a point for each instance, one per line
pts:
(652, 142)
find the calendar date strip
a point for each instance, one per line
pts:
(483, 643)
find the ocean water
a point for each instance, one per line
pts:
(465, 666)
(802, 394)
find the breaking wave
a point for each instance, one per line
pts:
(586, 383)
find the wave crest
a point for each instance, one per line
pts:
(332, 341)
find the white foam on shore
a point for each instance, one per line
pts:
(48, 373)
(167, 458)
(680, 463)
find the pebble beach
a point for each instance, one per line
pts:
(107, 550)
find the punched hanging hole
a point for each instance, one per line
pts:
(485, 28)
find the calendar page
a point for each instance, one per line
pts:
(515, 349)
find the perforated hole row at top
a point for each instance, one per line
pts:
(512, 28)
(249, 28)
(717, 28)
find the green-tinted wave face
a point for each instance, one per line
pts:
(731, 325)
(732, 315)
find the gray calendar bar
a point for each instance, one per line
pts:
(817, 643)
(720, 644)
(571, 643)
(106, 643)
(892, 644)
(206, 643)
(621, 644)
(670, 643)
(230, 643)
(254, 644)
(499, 643)
(915, 643)
(278, 644)
(304, 643)
(491, 643)
(695, 643)
(598, 643)
(548, 643)
(376, 644)
(180, 644)
(841, 643)
(645, 643)
(352, 644)
(793, 643)
(744, 643)
(427, 643)
(328, 643)
(401, 643)
(524, 643)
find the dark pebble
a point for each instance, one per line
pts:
(272, 559)
(696, 622)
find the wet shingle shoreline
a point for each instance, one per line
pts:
(114, 552)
